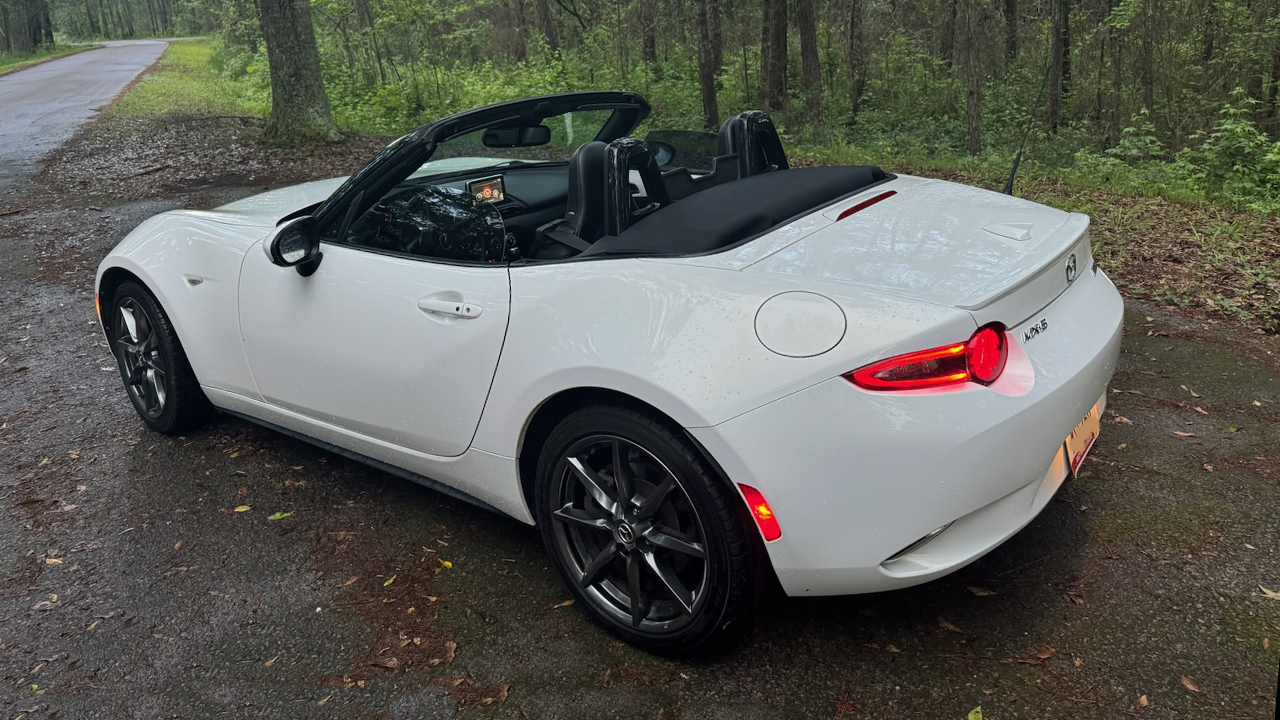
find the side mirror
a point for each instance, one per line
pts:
(294, 244)
(663, 153)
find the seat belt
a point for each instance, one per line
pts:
(568, 238)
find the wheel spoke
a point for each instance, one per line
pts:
(656, 498)
(595, 486)
(157, 389)
(622, 473)
(604, 557)
(581, 518)
(633, 589)
(670, 540)
(670, 582)
(130, 323)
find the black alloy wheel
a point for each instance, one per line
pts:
(152, 363)
(653, 543)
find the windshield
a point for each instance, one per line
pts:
(470, 151)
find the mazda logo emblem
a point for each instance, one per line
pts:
(1071, 269)
(626, 535)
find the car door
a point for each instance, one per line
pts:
(401, 347)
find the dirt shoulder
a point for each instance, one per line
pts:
(1137, 592)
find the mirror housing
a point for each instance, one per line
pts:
(295, 244)
(663, 153)
(519, 136)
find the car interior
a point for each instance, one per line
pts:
(610, 199)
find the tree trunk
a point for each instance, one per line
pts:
(947, 49)
(552, 33)
(706, 72)
(810, 68)
(93, 21)
(1057, 55)
(1147, 70)
(973, 18)
(717, 35)
(1210, 30)
(774, 55)
(299, 107)
(857, 59)
(1065, 9)
(1011, 30)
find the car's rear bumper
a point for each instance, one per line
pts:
(854, 476)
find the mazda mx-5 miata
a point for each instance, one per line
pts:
(691, 373)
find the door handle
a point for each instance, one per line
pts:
(454, 308)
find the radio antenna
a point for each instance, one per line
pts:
(1026, 130)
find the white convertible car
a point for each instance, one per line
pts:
(689, 373)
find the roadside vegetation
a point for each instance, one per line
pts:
(12, 61)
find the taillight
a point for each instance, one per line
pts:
(980, 359)
(762, 513)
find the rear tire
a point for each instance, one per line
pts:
(662, 557)
(154, 367)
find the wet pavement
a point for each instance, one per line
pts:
(42, 106)
(142, 576)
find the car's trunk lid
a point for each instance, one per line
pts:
(943, 243)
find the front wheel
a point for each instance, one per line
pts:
(648, 538)
(152, 363)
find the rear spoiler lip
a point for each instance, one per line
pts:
(1068, 234)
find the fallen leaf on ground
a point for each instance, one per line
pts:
(44, 605)
(1270, 593)
(279, 516)
(350, 580)
(447, 565)
(1122, 420)
(1201, 410)
(981, 591)
(946, 624)
(975, 714)
(242, 508)
(325, 700)
(1208, 467)
(450, 649)
(1190, 684)
(52, 561)
(1078, 662)
(1179, 433)
(892, 648)
(1143, 702)
(1193, 392)
(566, 603)
(389, 663)
(389, 581)
(271, 662)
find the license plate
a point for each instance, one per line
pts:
(1084, 435)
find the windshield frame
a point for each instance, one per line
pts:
(404, 156)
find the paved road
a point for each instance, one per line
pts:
(42, 106)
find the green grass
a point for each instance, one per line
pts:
(16, 61)
(185, 83)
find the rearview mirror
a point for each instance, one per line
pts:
(294, 244)
(509, 137)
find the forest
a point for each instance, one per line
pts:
(1178, 97)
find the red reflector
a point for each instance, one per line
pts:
(866, 204)
(981, 359)
(762, 513)
(97, 308)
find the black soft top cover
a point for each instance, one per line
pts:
(720, 216)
